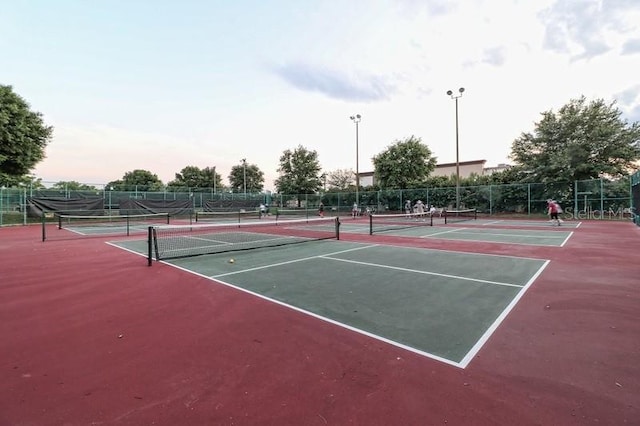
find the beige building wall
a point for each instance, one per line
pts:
(467, 168)
(366, 179)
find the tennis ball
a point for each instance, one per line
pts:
(231, 261)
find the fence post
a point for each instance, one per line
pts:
(601, 197)
(490, 200)
(575, 198)
(1, 207)
(528, 199)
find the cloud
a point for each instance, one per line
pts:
(336, 84)
(494, 56)
(631, 46)
(633, 115)
(583, 29)
(432, 7)
(629, 101)
(628, 96)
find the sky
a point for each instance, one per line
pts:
(160, 85)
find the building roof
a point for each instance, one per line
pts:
(462, 163)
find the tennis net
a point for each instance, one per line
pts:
(178, 241)
(294, 214)
(451, 216)
(230, 216)
(390, 222)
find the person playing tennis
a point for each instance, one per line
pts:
(552, 207)
(419, 207)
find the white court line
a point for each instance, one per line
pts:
(462, 364)
(480, 234)
(499, 242)
(334, 322)
(320, 317)
(292, 261)
(487, 334)
(497, 234)
(444, 232)
(566, 239)
(417, 271)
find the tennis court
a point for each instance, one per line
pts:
(523, 223)
(416, 299)
(486, 235)
(534, 233)
(69, 226)
(365, 329)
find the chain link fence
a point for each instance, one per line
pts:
(588, 199)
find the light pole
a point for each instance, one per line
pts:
(244, 173)
(356, 119)
(456, 97)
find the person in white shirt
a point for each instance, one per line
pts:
(407, 207)
(419, 208)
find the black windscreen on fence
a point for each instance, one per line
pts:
(130, 206)
(36, 206)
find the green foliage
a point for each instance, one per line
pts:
(514, 174)
(249, 173)
(405, 164)
(28, 181)
(581, 141)
(299, 172)
(194, 178)
(137, 180)
(72, 186)
(23, 137)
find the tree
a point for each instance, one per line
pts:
(581, 141)
(299, 173)
(340, 179)
(138, 180)
(405, 164)
(23, 137)
(246, 174)
(195, 178)
(28, 181)
(511, 175)
(72, 185)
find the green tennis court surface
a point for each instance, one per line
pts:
(443, 305)
(523, 223)
(471, 231)
(495, 235)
